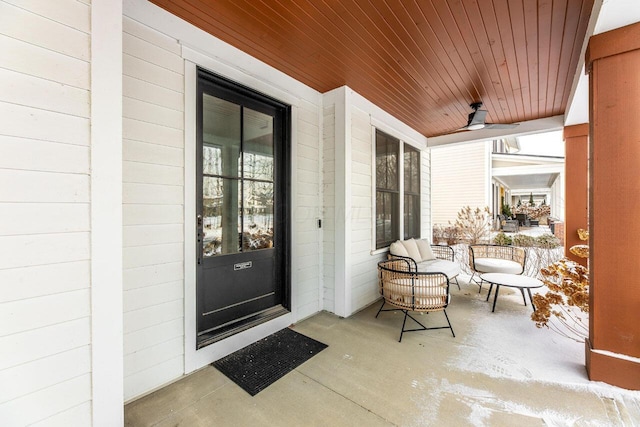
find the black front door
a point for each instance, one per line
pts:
(242, 212)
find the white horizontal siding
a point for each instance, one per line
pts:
(459, 178)
(363, 264)
(328, 207)
(308, 205)
(19, 23)
(153, 211)
(31, 408)
(38, 61)
(44, 213)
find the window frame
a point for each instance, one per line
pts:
(398, 223)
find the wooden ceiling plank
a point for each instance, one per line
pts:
(373, 45)
(558, 20)
(434, 52)
(571, 49)
(479, 46)
(202, 19)
(268, 41)
(446, 23)
(382, 32)
(499, 34)
(507, 36)
(421, 60)
(520, 46)
(531, 32)
(545, 8)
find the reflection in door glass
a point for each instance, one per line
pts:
(237, 178)
(258, 215)
(221, 172)
(257, 167)
(220, 221)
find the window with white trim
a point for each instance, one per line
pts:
(397, 190)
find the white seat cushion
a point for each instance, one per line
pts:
(449, 268)
(494, 265)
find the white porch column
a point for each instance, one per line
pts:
(106, 213)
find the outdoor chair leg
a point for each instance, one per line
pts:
(450, 327)
(523, 298)
(406, 313)
(422, 327)
(476, 282)
(456, 279)
(383, 301)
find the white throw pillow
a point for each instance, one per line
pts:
(412, 248)
(425, 250)
(397, 248)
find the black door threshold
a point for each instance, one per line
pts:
(225, 331)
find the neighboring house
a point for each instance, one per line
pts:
(491, 173)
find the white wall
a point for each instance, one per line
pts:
(350, 256)
(45, 355)
(153, 185)
(328, 206)
(159, 193)
(459, 178)
(307, 243)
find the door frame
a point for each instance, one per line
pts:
(251, 99)
(193, 358)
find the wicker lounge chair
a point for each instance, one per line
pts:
(406, 289)
(495, 259)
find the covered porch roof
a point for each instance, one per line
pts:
(423, 62)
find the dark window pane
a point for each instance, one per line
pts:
(411, 192)
(411, 216)
(387, 211)
(411, 170)
(386, 161)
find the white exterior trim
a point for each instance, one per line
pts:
(106, 214)
(190, 276)
(342, 300)
(525, 128)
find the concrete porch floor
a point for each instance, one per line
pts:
(499, 370)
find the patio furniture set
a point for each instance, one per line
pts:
(417, 275)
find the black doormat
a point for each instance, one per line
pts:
(262, 363)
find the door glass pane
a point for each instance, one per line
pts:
(221, 137)
(258, 145)
(221, 220)
(258, 215)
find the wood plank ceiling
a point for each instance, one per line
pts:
(424, 61)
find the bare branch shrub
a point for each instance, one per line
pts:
(474, 225)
